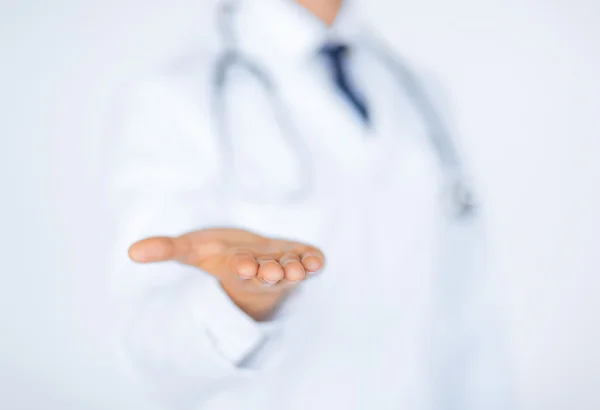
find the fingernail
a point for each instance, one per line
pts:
(268, 282)
(309, 254)
(315, 272)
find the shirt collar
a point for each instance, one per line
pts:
(282, 31)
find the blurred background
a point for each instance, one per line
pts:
(526, 88)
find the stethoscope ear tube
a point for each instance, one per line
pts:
(305, 169)
(458, 191)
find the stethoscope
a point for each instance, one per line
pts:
(457, 193)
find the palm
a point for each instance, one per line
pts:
(233, 253)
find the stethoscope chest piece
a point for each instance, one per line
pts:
(459, 200)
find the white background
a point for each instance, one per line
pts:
(525, 79)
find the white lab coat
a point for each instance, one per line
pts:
(401, 318)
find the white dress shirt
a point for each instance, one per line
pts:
(402, 316)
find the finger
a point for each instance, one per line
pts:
(270, 272)
(244, 265)
(313, 260)
(292, 267)
(158, 249)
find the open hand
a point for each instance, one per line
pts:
(246, 264)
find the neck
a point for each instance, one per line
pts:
(324, 10)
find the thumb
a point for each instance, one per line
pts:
(159, 249)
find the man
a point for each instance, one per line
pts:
(332, 300)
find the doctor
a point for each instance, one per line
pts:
(297, 242)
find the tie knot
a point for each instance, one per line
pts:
(334, 51)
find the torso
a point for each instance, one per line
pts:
(359, 335)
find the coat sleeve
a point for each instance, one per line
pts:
(180, 334)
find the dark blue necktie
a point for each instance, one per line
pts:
(338, 60)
